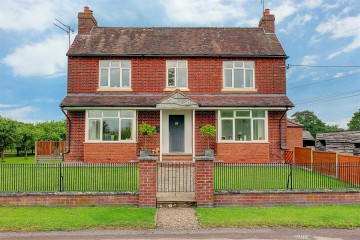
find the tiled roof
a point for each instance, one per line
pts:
(173, 41)
(307, 136)
(294, 124)
(150, 100)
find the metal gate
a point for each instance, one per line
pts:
(176, 177)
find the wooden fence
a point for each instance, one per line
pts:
(49, 150)
(341, 166)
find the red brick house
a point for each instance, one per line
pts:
(178, 79)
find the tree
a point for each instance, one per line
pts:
(312, 123)
(51, 131)
(7, 134)
(354, 123)
(25, 137)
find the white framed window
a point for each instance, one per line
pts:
(242, 125)
(110, 125)
(115, 74)
(176, 74)
(238, 75)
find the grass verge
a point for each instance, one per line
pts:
(64, 218)
(287, 216)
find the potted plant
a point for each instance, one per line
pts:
(147, 131)
(208, 131)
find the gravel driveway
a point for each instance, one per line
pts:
(176, 218)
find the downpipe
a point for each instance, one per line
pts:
(280, 129)
(69, 137)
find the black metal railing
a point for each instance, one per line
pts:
(66, 177)
(175, 177)
(278, 176)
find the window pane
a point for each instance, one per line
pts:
(126, 126)
(104, 78)
(259, 129)
(171, 64)
(182, 77)
(171, 77)
(125, 64)
(228, 64)
(115, 64)
(258, 113)
(243, 129)
(239, 64)
(94, 113)
(110, 129)
(125, 77)
(182, 64)
(126, 113)
(249, 78)
(110, 113)
(243, 113)
(228, 78)
(115, 77)
(227, 113)
(238, 78)
(227, 129)
(94, 129)
(104, 63)
(249, 64)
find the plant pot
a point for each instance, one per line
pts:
(144, 153)
(209, 153)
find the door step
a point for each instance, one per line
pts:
(175, 204)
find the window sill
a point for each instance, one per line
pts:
(114, 89)
(174, 89)
(111, 142)
(239, 90)
(246, 142)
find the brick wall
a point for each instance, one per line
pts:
(69, 199)
(276, 155)
(204, 74)
(77, 136)
(294, 138)
(147, 190)
(202, 118)
(204, 182)
(109, 152)
(288, 198)
(243, 152)
(152, 118)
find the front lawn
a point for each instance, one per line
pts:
(11, 158)
(268, 177)
(287, 216)
(77, 218)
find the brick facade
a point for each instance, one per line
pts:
(148, 175)
(109, 152)
(204, 182)
(202, 118)
(204, 74)
(152, 118)
(77, 136)
(275, 153)
(243, 152)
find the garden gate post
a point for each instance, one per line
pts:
(204, 181)
(147, 184)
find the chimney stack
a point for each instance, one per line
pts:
(86, 21)
(267, 22)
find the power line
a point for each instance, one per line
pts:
(330, 79)
(329, 97)
(322, 66)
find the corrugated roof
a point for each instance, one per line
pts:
(307, 136)
(150, 100)
(173, 41)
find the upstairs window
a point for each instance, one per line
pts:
(238, 75)
(111, 125)
(177, 74)
(115, 74)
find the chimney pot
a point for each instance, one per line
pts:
(267, 12)
(86, 9)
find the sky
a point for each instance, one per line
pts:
(324, 35)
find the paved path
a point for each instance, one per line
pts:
(176, 218)
(216, 233)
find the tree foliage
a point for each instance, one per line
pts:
(7, 134)
(312, 123)
(354, 123)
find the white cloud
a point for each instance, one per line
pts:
(45, 58)
(337, 28)
(34, 15)
(311, 4)
(283, 10)
(203, 12)
(7, 105)
(22, 114)
(309, 60)
(296, 23)
(44, 100)
(339, 75)
(342, 123)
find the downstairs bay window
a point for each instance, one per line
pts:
(243, 125)
(110, 125)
